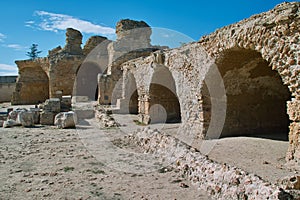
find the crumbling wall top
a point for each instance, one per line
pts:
(92, 42)
(73, 42)
(129, 28)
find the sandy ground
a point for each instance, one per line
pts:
(93, 163)
(48, 163)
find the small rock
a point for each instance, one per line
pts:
(283, 195)
(9, 123)
(183, 185)
(44, 181)
(218, 189)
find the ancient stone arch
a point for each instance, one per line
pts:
(258, 60)
(128, 103)
(275, 35)
(31, 89)
(256, 96)
(163, 101)
(86, 83)
(132, 94)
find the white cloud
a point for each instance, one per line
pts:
(16, 47)
(56, 22)
(30, 24)
(6, 70)
(2, 37)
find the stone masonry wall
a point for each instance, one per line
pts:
(32, 85)
(221, 181)
(273, 35)
(54, 75)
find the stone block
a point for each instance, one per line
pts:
(293, 110)
(47, 118)
(25, 118)
(13, 115)
(52, 105)
(85, 114)
(65, 120)
(10, 123)
(36, 115)
(76, 99)
(66, 103)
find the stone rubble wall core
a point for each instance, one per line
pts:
(221, 181)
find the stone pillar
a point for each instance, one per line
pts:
(293, 109)
(144, 106)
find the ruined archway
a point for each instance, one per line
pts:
(87, 81)
(131, 94)
(164, 104)
(256, 96)
(32, 86)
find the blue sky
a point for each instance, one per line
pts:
(24, 22)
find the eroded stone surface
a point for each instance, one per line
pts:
(65, 120)
(221, 181)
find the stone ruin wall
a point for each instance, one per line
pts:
(54, 75)
(242, 53)
(275, 35)
(268, 42)
(32, 85)
(133, 41)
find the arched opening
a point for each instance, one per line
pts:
(131, 94)
(256, 96)
(133, 103)
(96, 93)
(164, 104)
(86, 80)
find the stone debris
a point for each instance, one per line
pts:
(52, 105)
(14, 114)
(19, 117)
(25, 118)
(47, 118)
(10, 123)
(36, 115)
(65, 120)
(105, 118)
